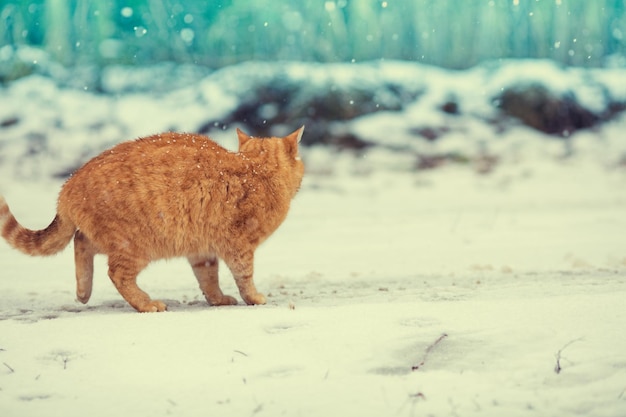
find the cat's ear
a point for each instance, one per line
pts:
(292, 140)
(243, 138)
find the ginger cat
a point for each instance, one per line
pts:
(170, 195)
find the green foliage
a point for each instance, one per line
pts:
(453, 34)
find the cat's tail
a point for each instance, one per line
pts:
(44, 242)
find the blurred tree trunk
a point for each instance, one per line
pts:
(615, 30)
(452, 34)
(93, 23)
(58, 31)
(363, 30)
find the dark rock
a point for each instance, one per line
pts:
(426, 162)
(264, 107)
(11, 121)
(65, 173)
(432, 161)
(450, 107)
(430, 133)
(269, 106)
(613, 109)
(538, 107)
(209, 126)
(350, 141)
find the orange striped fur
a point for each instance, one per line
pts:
(170, 195)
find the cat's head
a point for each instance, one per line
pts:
(281, 151)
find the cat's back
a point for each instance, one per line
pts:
(166, 154)
(143, 169)
(164, 151)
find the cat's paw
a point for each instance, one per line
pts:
(153, 306)
(254, 299)
(83, 297)
(226, 300)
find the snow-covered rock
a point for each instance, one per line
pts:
(48, 128)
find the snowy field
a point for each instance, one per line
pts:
(391, 292)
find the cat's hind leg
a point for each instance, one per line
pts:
(205, 268)
(84, 251)
(123, 271)
(241, 264)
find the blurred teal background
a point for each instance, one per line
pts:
(451, 34)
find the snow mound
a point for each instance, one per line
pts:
(435, 116)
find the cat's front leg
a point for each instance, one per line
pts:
(248, 291)
(123, 270)
(241, 266)
(205, 268)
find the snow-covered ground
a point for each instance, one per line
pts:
(391, 291)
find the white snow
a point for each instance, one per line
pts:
(390, 291)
